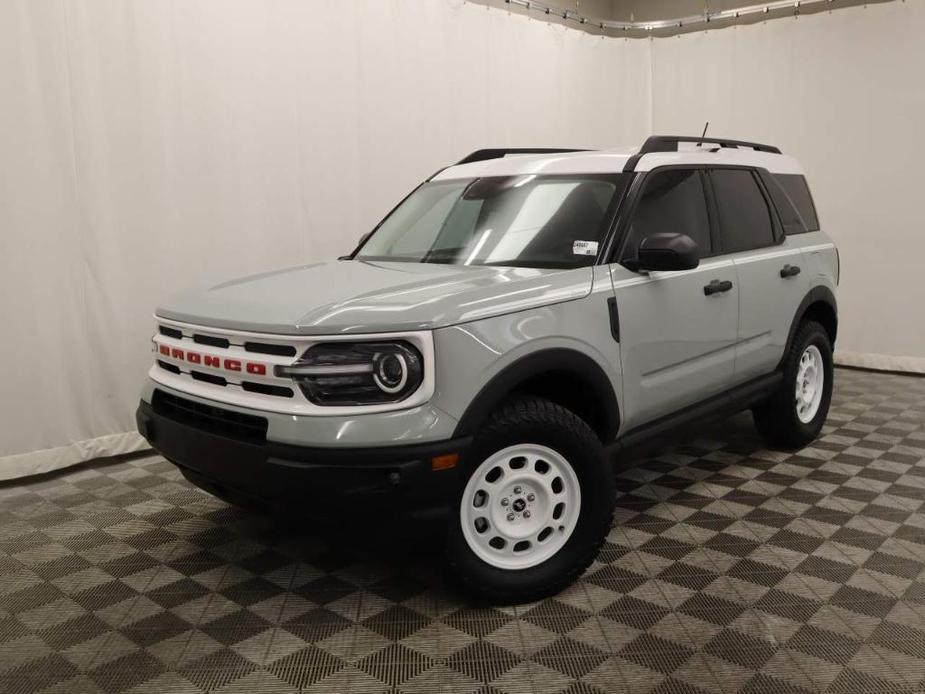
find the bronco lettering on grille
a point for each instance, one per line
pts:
(251, 367)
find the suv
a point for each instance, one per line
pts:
(513, 320)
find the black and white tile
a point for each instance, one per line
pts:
(729, 568)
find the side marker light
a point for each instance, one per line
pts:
(444, 462)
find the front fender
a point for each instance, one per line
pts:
(584, 368)
(574, 336)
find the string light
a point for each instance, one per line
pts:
(676, 23)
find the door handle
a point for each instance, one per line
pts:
(789, 271)
(717, 287)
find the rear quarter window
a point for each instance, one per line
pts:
(791, 221)
(795, 187)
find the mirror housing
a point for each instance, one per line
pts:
(666, 251)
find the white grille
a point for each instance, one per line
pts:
(234, 367)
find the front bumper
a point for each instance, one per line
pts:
(400, 480)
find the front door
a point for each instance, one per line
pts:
(678, 329)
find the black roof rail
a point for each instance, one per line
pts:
(485, 154)
(669, 143)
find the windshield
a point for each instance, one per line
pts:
(520, 221)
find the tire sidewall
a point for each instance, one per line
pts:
(813, 335)
(595, 481)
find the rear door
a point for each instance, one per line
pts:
(677, 336)
(771, 277)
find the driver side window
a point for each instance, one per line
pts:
(672, 200)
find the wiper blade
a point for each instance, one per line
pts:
(441, 255)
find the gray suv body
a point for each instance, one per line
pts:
(512, 321)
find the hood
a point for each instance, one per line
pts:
(353, 296)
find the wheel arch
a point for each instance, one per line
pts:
(565, 376)
(819, 305)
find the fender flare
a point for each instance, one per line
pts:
(818, 294)
(554, 359)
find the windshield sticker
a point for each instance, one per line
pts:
(584, 248)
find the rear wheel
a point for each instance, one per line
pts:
(535, 505)
(794, 415)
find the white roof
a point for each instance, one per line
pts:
(613, 161)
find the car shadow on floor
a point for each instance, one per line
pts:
(392, 544)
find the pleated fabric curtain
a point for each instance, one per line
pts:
(843, 92)
(149, 147)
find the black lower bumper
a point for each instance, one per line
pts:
(399, 480)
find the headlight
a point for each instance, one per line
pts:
(357, 373)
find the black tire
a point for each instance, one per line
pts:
(537, 421)
(776, 418)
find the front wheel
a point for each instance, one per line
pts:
(535, 505)
(794, 415)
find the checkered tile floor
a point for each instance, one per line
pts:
(730, 568)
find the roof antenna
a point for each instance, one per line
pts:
(703, 134)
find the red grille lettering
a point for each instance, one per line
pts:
(251, 367)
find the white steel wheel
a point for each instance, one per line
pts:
(809, 384)
(520, 506)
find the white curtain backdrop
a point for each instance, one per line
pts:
(843, 91)
(150, 146)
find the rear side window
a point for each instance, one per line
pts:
(790, 219)
(672, 201)
(798, 192)
(745, 219)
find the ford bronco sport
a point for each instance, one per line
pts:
(515, 318)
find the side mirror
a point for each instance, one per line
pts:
(666, 251)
